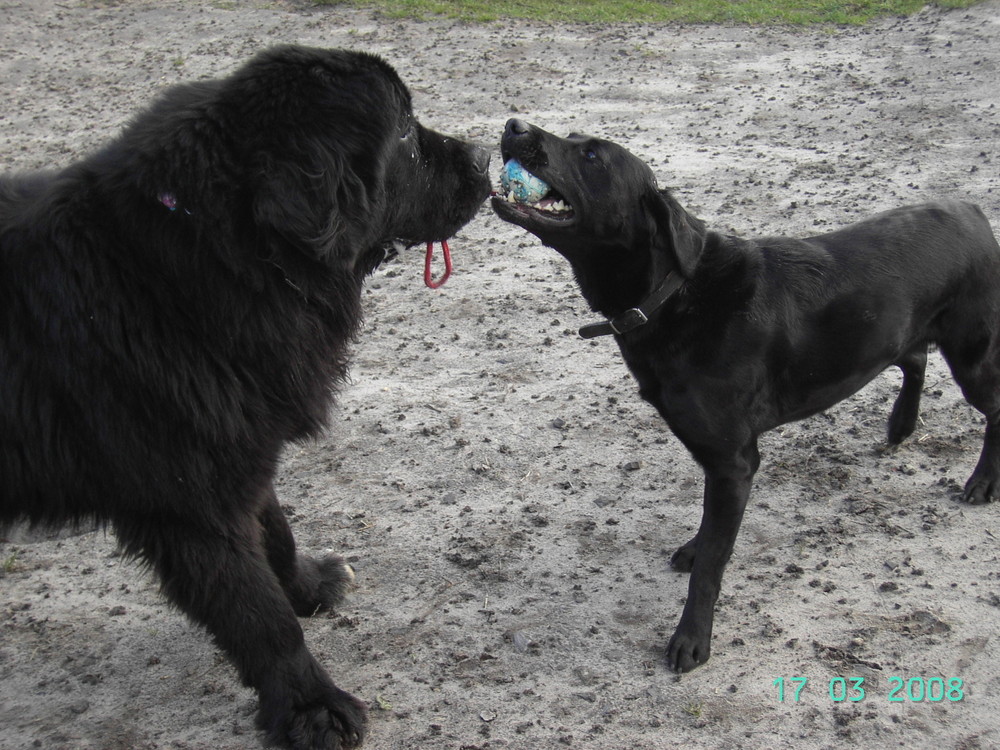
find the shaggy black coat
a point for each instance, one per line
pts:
(178, 306)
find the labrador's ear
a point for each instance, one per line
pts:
(674, 231)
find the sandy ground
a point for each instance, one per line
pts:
(508, 501)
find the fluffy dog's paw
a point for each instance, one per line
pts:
(981, 488)
(328, 720)
(320, 584)
(686, 651)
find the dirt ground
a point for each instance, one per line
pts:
(508, 501)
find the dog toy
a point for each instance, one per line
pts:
(429, 259)
(520, 183)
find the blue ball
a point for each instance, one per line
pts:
(521, 184)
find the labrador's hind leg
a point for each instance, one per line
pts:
(975, 364)
(984, 484)
(905, 410)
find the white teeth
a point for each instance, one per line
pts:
(554, 207)
(558, 207)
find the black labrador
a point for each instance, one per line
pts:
(179, 305)
(729, 338)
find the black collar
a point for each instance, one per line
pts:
(636, 316)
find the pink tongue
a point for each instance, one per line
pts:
(429, 259)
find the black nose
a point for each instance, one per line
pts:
(480, 160)
(517, 127)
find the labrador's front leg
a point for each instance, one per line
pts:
(727, 488)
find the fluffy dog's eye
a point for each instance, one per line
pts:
(589, 154)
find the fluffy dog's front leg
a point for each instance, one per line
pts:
(312, 585)
(223, 580)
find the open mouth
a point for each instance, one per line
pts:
(531, 195)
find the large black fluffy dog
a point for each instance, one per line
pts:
(729, 338)
(178, 306)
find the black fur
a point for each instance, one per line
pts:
(763, 332)
(178, 306)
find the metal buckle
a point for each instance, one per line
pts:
(628, 321)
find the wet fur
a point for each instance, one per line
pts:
(154, 362)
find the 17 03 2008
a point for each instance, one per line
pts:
(897, 689)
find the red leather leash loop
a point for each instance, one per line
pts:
(429, 259)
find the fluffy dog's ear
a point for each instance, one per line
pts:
(676, 231)
(313, 209)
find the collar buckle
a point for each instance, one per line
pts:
(628, 321)
(635, 317)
